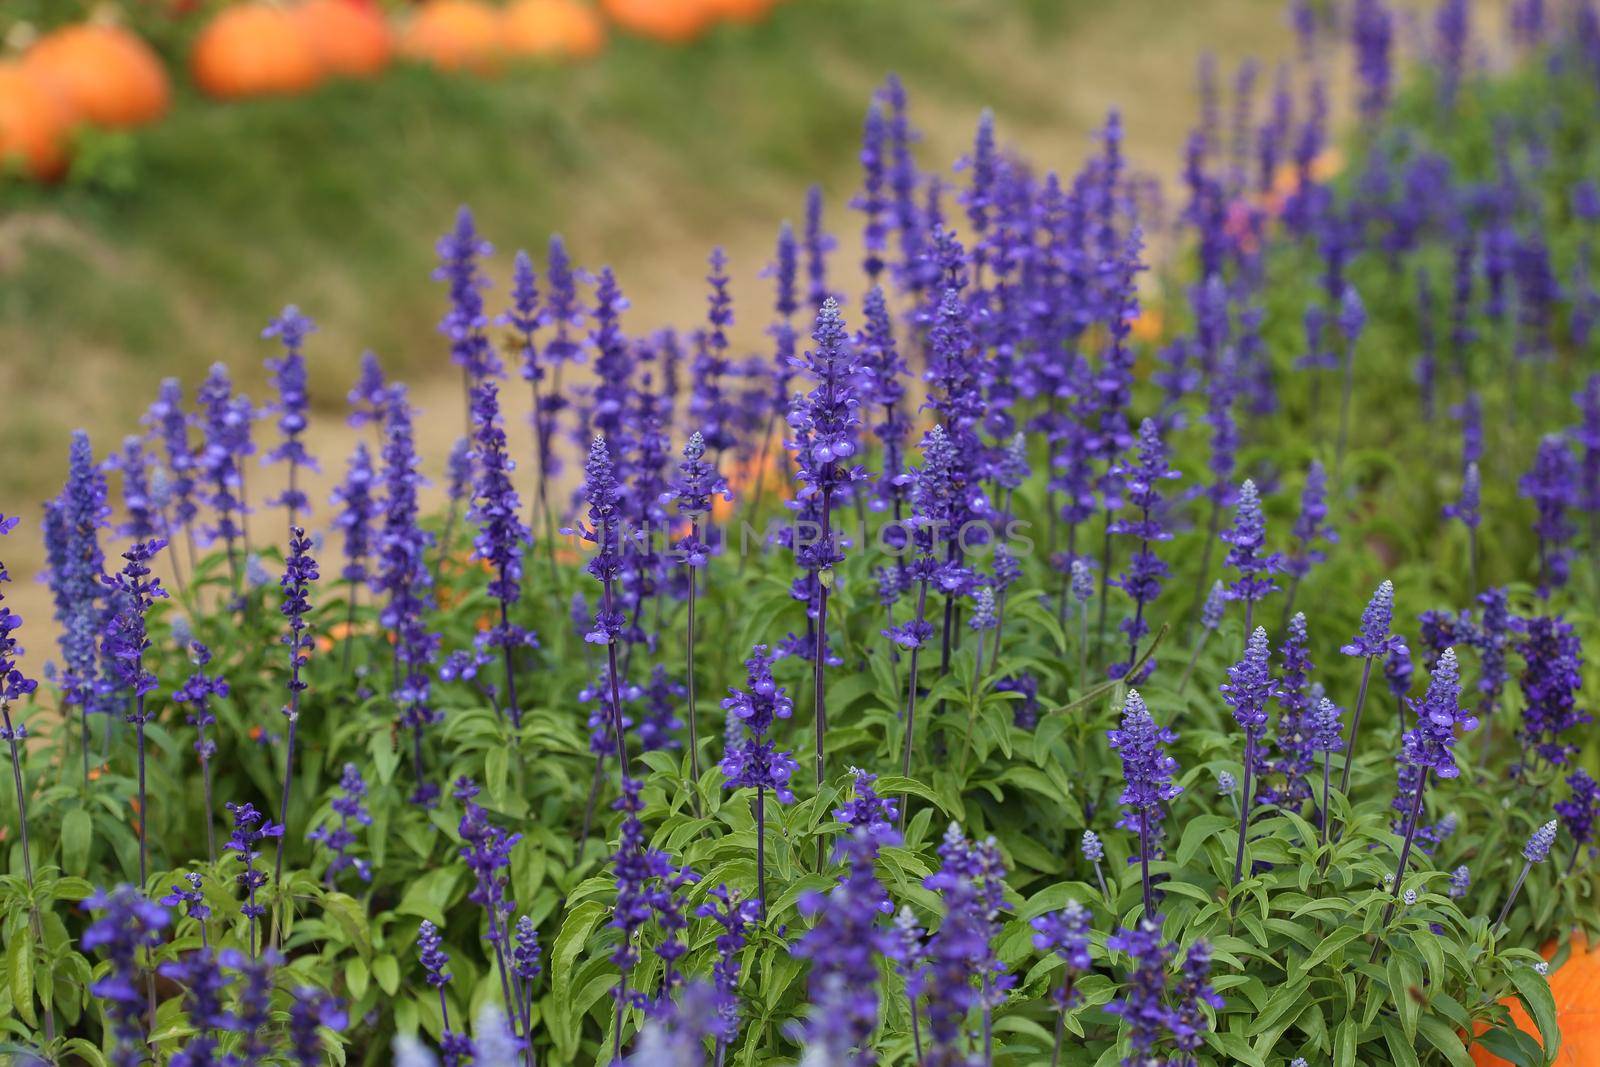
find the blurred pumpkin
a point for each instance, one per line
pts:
(35, 124)
(747, 11)
(107, 74)
(1576, 988)
(672, 21)
(553, 29)
(253, 49)
(454, 35)
(348, 39)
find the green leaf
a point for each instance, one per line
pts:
(386, 969)
(1534, 991)
(1405, 988)
(348, 913)
(429, 895)
(1400, 1046)
(569, 943)
(1344, 1044)
(1237, 1049)
(19, 966)
(1442, 1036)
(77, 834)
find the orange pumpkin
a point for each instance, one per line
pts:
(253, 50)
(671, 21)
(746, 11)
(348, 39)
(107, 74)
(1576, 988)
(35, 124)
(553, 29)
(454, 35)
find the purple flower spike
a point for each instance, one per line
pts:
(466, 324)
(1429, 745)
(1148, 774)
(1537, 850)
(125, 923)
(1143, 1003)
(1248, 537)
(756, 763)
(1374, 639)
(1552, 486)
(289, 378)
(1552, 657)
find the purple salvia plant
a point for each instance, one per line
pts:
(709, 406)
(466, 324)
(823, 424)
(1552, 486)
(289, 377)
(1247, 539)
(1452, 34)
(1552, 674)
(502, 536)
(525, 317)
(299, 572)
(1429, 748)
(133, 591)
(226, 425)
(755, 761)
(931, 487)
(431, 954)
(1324, 731)
(311, 1010)
(138, 507)
(486, 851)
(339, 839)
(1371, 643)
(604, 532)
(201, 974)
(1143, 1003)
(1249, 687)
(783, 271)
(692, 489)
(1064, 933)
(403, 577)
(843, 943)
(1142, 480)
(1310, 527)
(1295, 757)
(369, 397)
(250, 828)
(77, 571)
(1188, 1024)
(1148, 785)
(457, 489)
(1372, 34)
(1578, 812)
(971, 885)
(168, 421)
(735, 915)
(358, 508)
(125, 923)
(1587, 436)
(197, 692)
(818, 242)
(873, 201)
(1222, 391)
(866, 811)
(1537, 850)
(883, 391)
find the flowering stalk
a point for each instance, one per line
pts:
(1249, 687)
(823, 423)
(168, 420)
(125, 922)
(1373, 641)
(756, 761)
(72, 541)
(453, 1047)
(1247, 538)
(501, 533)
(1325, 729)
(1142, 480)
(1578, 812)
(357, 510)
(1311, 526)
(126, 638)
(1148, 774)
(1429, 748)
(289, 375)
(1066, 934)
(1466, 510)
(250, 828)
(198, 691)
(299, 571)
(600, 485)
(1094, 851)
(697, 482)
